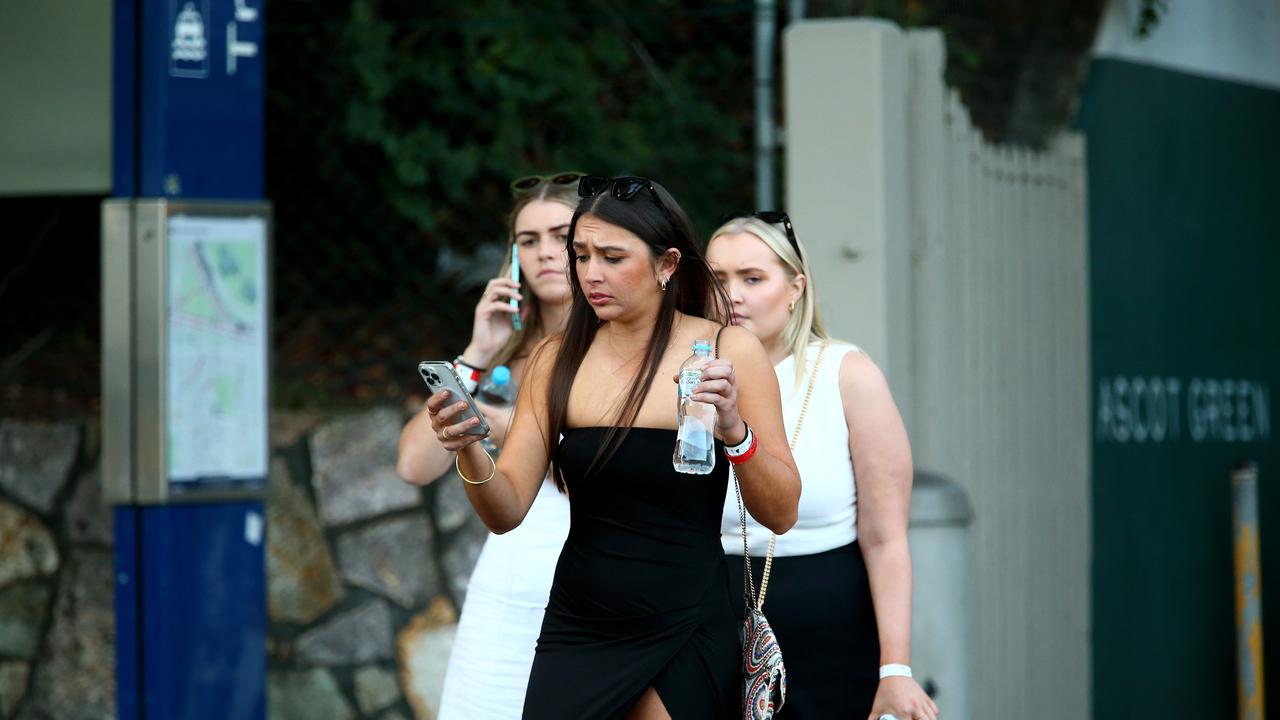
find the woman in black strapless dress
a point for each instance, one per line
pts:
(640, 596)
(639, 624)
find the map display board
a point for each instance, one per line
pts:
(216, 394)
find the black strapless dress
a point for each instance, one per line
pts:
(641, 596)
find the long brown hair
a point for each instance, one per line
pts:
(531, 330)
(692, 289)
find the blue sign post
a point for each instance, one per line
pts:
(188, 99)
(186, 268)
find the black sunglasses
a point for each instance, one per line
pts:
(620, 188)
(773, 217)
(529, 182)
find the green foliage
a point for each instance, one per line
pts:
(393, 130)
(457, 99)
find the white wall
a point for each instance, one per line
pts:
(961, 267)
(1235, 40)
(55, 96)
(847, 181)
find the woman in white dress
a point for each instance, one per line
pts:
(507, 593)
(839, 596)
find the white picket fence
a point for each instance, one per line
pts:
(962, 268)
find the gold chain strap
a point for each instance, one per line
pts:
(758, 601)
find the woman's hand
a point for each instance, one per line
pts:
(492, 327)
(719, 387)
(452, 435)
(902, 698)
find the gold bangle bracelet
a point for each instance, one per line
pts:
(493, 470)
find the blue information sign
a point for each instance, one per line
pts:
(190, 578)
(188, 99)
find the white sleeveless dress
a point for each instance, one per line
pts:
(827, 515)
(502, 615)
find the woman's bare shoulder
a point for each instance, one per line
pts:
(739, 343)
(861, 379)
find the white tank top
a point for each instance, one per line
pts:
(828, 497)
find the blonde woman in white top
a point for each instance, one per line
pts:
(839, 596)
(493, 650)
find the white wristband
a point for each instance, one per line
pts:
(742, 447)
(895, 670)
(468, 384)
(468, 376)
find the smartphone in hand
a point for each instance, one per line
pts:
(515, 277)
(439, 375)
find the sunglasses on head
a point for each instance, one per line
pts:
(529, 182)
(773, 217)
(620, 188)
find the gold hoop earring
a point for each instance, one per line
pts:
(663, 283)
(792, 306)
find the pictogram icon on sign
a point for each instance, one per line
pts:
(189, 47)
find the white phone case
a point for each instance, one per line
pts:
(439, 375)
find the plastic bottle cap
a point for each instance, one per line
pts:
(701, 345)
(501, 375)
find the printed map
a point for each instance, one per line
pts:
(217, 372)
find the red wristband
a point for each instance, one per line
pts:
(469, 376)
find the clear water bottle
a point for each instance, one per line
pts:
(496, 390)
(695, 451)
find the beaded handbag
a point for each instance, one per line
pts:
(764, 677)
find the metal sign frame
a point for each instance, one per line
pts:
(135, 341)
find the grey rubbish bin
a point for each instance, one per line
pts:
(940, 519)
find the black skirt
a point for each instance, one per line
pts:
(821, 611)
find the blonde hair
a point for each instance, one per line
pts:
(805, 324)
(531, 330)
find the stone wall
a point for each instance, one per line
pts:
(364, 573)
